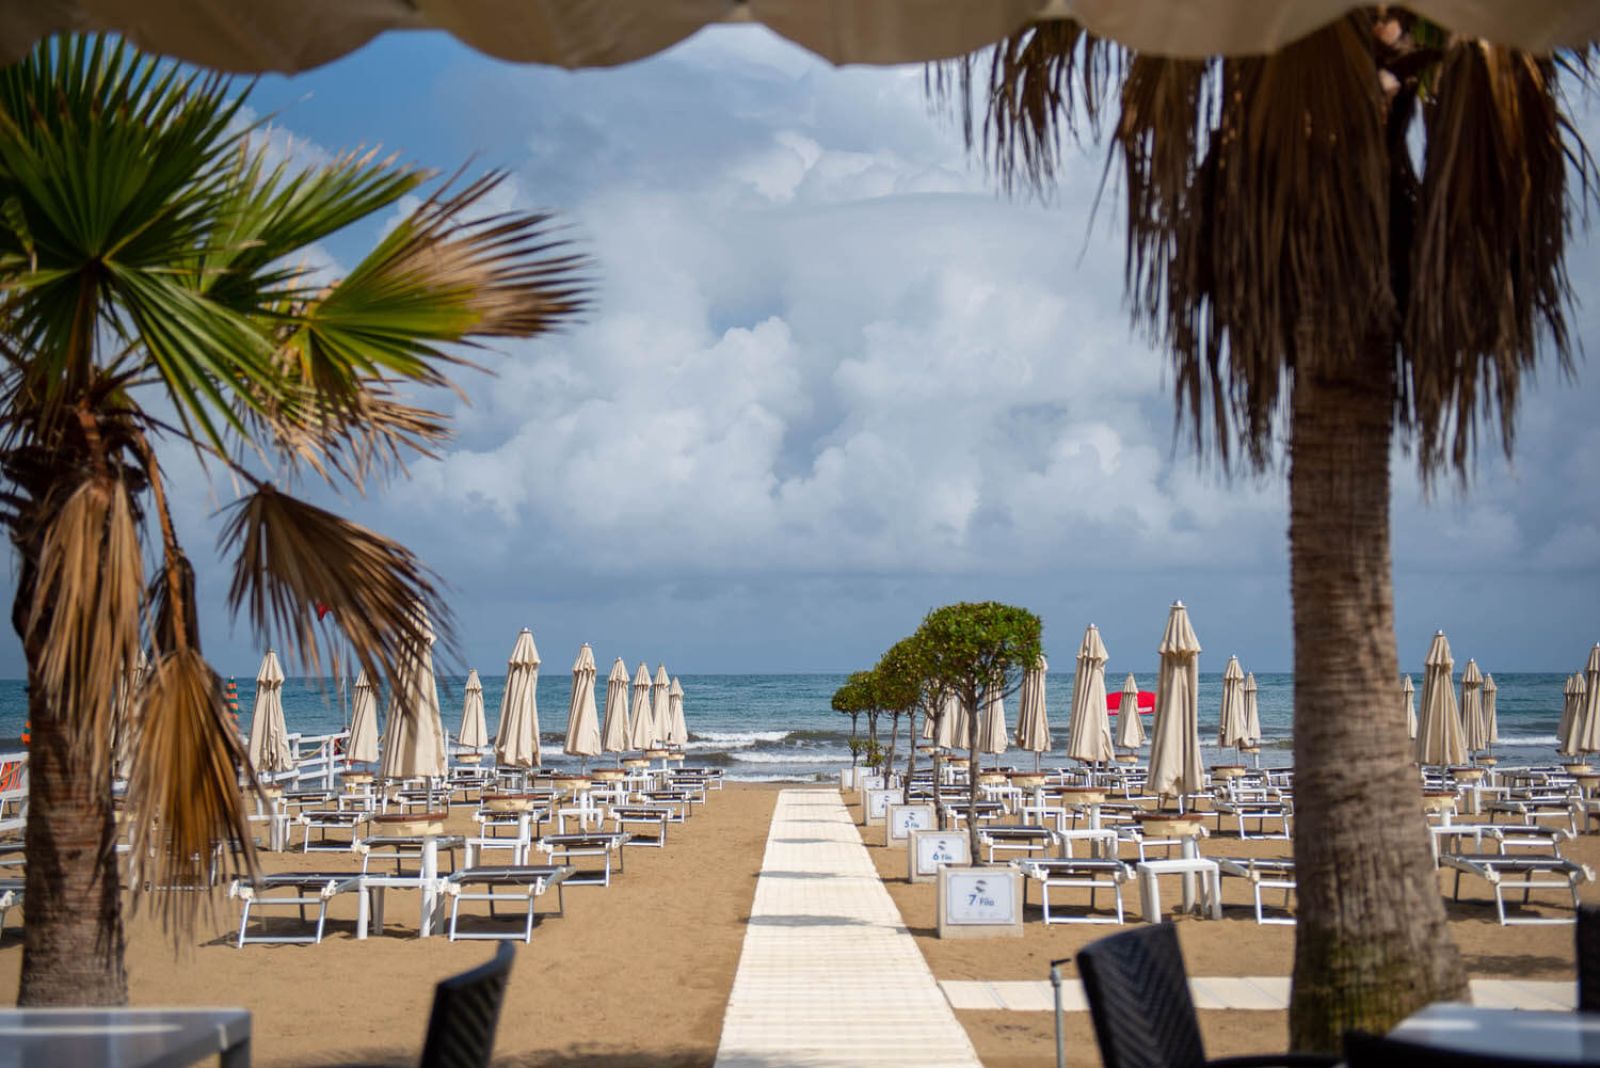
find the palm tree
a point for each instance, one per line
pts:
(152, 307)
(1312, 288)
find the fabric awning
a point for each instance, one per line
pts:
(250, 36)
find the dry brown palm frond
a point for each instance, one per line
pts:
(1267, 229)
(1036, 89)
(183, 789)
(85, 612)
(291, 556)
(1488, 277)
(371, 433)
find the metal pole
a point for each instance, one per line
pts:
(1055, 981)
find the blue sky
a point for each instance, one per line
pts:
(832, 380)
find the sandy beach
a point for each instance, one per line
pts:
(639, 973)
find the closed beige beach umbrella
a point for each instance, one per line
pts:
(1232, 729)
(363, 748)
(660, 706)
(1439, 737)
(679, 735)
(640, 728)
(269, 736)
(583, 723)
(952, 723)
(1491, 723)
(516, 740)
(1473, 732)
(1586, 714)
(1175, 766)
(1408, 693)
(1569, 707)
(474, 731)
(1130, 732)
(992, 727)
(1252, 710)
(1088, 727)
(413, 737)
(1033, 721)
(614, 737)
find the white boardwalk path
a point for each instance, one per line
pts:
(829, 975)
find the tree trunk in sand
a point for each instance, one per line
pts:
(72, 949)
(971, 697)
(1371, 941)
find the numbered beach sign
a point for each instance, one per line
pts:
(931, 850)
(878, 805)
(980, 902)
(903, 819)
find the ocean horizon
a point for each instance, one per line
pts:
(781, 728)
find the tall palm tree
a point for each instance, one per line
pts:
(152, 306)
(1314, 290)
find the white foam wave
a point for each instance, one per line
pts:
(754, 777)
(739, 737)
(789, 758)
(1547, 741)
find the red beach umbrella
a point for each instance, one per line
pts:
(1147, 702)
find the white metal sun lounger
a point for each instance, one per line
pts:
(563, 848)
(1263, 873)
(523, 884)
(351, 821)
(1092, 875)
(302, 889)
(1520, 872)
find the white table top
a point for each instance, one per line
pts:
(1536, 1037)
(120, 1038)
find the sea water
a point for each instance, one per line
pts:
(781, 728)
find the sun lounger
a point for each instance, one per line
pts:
(1027, 840)
(564, 848)
(678, 802)
(655, 817)
(1263, 873)
(323, 820)
(521, 883)
(1517, 872)
(299, 889)
(1529, 836)
(1556, 807)
(401, 848)
(1261, 811)
(1092, 875)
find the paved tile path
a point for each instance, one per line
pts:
(829, 976)
(1246, 992)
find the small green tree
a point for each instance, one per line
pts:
(852, 699)
(901, 676)
(970, 649)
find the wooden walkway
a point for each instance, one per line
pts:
(829, 975)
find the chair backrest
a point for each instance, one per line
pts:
(1589, 958)
(1139, 1000)
(466, 1011)
(1378, 1051)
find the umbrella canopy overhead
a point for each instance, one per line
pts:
(1252, 710)
(1130, 732)
(641, 730)
(1439, 736)
(474, 731)
(516, 742)
(679, 735)
(1233, 729)
(1089, 728)
(363, 747)
(1033, 722)
(413, 737)
(1175, 766)
(1491, 723)
(1474, 731)
(1408, 695)
(1584, 731)
(583, 723)
(992, 727)
(252, 36)
(269, 736)
(660, 706)
(614, 737)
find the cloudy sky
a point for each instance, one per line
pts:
(832, 380)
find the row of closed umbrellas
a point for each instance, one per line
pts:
(413, 742)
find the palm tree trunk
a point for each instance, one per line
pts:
(1371, 941)
(72, 937)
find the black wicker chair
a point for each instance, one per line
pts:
(1589, 958)
(1378, 1051)
(1143, 1015)
(466, 1011)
